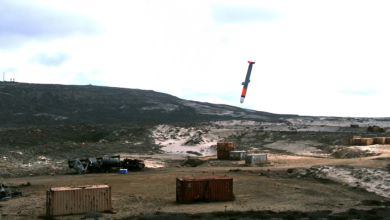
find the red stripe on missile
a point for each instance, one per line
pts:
(243, 92)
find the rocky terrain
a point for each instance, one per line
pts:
(42, 126)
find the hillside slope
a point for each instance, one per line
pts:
(47, 104)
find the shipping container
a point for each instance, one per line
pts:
(210, 189)
(237, 155)
(225, 146)
(380, 140)
(351, 141)
(367, 141)
(388, 140)
(223, 155)
(255, 158)
(358, 141)
(78, 200)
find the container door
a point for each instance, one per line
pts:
(178, 191)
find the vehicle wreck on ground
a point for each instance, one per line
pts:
(7, 192)
(105, 164)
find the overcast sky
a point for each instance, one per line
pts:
(322, 58)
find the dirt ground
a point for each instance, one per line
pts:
(151, 194)
(307, 180)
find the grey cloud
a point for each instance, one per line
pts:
(23, 21)
(226, 14)
(44, 59)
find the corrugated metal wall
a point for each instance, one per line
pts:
(223, 155)
(237, 155)
(68, 200)
(225, 146)
(255, 158)
(204, 189)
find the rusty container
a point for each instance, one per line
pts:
(223, 155)
(210, 189)
(78, 200)
(225, 146)
(237, 155)
(255, 158)
(367, 141)
(388, 140)
(380, 140)
(358, 141)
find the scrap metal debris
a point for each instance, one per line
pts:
(7, 192)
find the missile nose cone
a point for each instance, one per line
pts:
(242, 99)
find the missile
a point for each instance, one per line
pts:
(246, 83)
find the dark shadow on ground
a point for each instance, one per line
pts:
(376, 213)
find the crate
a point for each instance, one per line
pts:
(78, 200)
(209, 189)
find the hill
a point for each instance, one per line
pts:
(48, 104)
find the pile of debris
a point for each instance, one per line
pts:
(105, 164)
(376, 129)
(8, 192)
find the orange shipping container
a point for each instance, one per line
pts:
(380, 140)
(367, 141)
(225, 146)
(358, 141)
(223, 155)
(78, 200)
(214, 188)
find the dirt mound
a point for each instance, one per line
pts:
(349, 152)
(194, 140)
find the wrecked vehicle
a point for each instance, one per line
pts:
(7, 192)
(105, 164)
